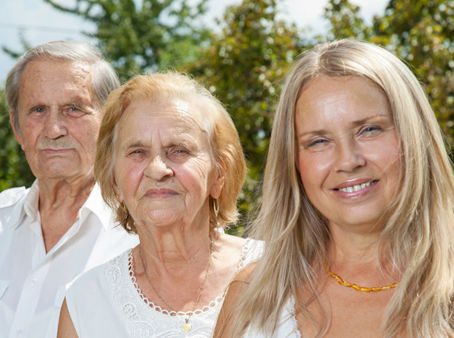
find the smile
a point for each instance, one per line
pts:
(357, 187)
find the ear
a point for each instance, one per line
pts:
(218, 183)
(17, 133)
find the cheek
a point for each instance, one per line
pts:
(127, 177)
(195, 176)
(313, 168)
(388, 157)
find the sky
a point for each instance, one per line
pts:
(38, 22)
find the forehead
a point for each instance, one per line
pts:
(50, 77)
(347, 97)
(176, 115)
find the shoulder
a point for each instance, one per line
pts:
(11, 206)
(244, 276)
(10, 197)
(234, 293)
(98, 277)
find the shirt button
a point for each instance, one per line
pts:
(20, 332)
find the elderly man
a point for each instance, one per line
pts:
(60, 227)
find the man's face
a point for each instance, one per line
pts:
(58, 118)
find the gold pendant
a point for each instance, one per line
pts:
(186, 327)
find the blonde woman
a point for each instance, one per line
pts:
(357, 207)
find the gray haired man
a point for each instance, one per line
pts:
(60, 227)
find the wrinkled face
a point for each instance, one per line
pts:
(164, 167)
(349, 156)
(58, 120)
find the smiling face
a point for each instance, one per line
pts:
(164, 168)
(349, 156)
(58, 119)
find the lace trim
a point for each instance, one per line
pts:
(293, 318)
(205, 308)
(158, 308)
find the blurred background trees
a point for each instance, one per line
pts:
(244, 63)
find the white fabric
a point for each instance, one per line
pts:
(33, 282)
(105, 303)
(286, 328)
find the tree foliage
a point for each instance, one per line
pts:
(14, 170)
(140, 36)
(243, 67)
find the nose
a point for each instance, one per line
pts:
(349, 156)
(54, 126)
(158, 169)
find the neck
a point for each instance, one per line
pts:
(353, 247)
(355, 256)
(58, 193)
(174, 246)
(59, 205)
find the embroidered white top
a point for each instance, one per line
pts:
(105, 303)
(33, 281)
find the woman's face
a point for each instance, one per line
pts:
(164, 168)
(349, 156)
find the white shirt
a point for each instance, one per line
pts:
(106, 303)
(32, 281)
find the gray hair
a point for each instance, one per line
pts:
(104, 77)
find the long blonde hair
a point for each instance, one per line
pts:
(418, 237)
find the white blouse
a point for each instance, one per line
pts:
(106, 303)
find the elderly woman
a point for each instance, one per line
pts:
(169, 161)
(357, 208)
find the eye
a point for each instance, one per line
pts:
(317, 143)
(137, 153)
(370, 130)
(38, 109)
(178, 151)
(74, 110)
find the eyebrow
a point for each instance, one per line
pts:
(354, 123)
(172, 141)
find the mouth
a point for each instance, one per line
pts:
(55, 151)
(160, 192)
(356, 187)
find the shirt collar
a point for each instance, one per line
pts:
(31, 201)
(94, 204)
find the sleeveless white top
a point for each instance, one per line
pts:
(105, 303)
(286, 328)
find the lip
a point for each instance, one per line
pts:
(355, 188)
(55, 150)
(160, 192)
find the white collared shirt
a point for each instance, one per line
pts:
(33, 282)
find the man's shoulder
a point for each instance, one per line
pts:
(9, 197)
(11, 203)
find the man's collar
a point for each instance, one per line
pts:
(31, 201)
(94, 203)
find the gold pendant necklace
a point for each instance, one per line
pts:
(360, 288)
(186, 326)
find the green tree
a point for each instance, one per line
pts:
(147, 35)
(14, 170)
(421, 33)
(244, 67)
